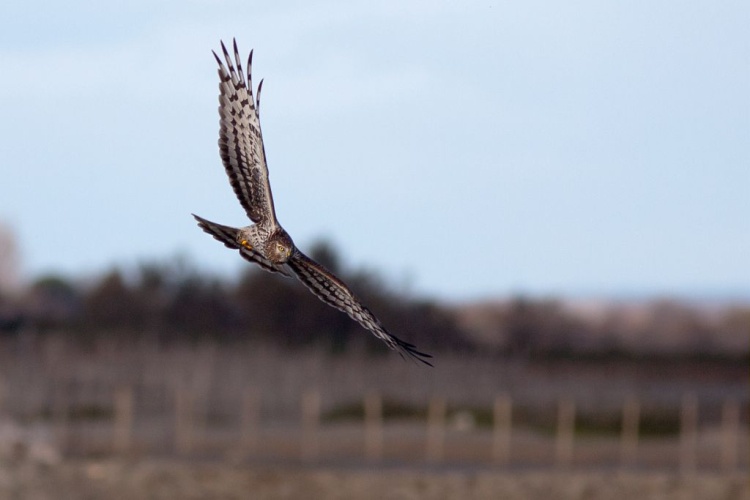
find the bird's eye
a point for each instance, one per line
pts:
(280, 248)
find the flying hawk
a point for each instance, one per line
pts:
(265, 242)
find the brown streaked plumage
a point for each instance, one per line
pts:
(265, 242)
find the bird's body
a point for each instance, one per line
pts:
(265, 242)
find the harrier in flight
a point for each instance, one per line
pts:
(265, 242)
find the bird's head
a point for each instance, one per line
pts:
(279, 247)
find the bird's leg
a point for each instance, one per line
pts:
(245, 244)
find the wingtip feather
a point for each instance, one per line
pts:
(257, 97)
(238, 62)
(414, 354)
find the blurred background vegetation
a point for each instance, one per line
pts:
(172, 340)
(173, 300)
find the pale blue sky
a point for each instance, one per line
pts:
(464, 149)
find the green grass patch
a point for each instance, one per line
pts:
(652, 423)
(392, 410)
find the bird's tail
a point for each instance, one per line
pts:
(225, 234)
(228, 236)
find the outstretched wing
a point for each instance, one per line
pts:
(240, 138)
(334, 292)
(228, 236)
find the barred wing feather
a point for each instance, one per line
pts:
(240, 139)
(335, 293)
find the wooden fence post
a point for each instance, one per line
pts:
(688, 434)
(435, 429)
(566, 421)
(502, 421)
(373, 407)
(310, 424)
(250, 420)
(184, 438)
(3, 394)
(730, 432)
(631, 415)
(123, 424)
(61, 412)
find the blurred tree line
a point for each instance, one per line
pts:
(536, 328)
(172, 301)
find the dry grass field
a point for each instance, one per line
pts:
(209, 421)
(169, 480)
